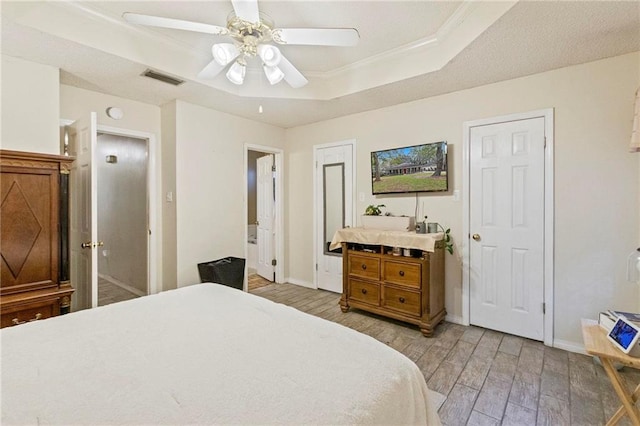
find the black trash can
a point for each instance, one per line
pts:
(228, 271)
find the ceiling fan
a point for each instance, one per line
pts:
(252, 33)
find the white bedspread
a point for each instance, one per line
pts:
(204, 354)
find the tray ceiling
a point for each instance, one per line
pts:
(407, 50)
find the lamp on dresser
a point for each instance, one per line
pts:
(34, 217)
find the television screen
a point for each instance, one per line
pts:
(418, 168)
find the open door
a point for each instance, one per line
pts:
(83, 224)
(265, 208)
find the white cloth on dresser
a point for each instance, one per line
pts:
(404, 239)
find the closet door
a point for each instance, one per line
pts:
(334, 209)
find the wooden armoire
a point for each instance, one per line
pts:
(34, 242)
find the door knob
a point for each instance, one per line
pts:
(89, 244)
(476, 237)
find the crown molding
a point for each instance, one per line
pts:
(458, 16)
(94, 12)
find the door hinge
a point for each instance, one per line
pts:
(273, 168)
(316, 266)
(273, 262)
(544, 308)
(545, 141)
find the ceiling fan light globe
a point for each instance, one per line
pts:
(274, 74)
(236, 73)
(269, 54)
(224, 53)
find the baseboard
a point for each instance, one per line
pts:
(569, 346)
(301, 283)
(454, 319)
(122, 285)
(557, 343)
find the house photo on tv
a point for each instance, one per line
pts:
(418, 168)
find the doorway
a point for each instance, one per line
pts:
(97, 253)
(122, 169)
(508, 221)
(264, 242)
(333, 208)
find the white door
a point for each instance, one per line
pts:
(506, 246)
(265, 211)
(83, 229)
(334, 210)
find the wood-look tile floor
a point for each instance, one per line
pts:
(488, 377)
(255, 281)
(110, 293)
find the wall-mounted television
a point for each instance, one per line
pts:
(417, 168)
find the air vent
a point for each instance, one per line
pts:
(162, 77)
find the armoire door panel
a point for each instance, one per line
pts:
(29, 239)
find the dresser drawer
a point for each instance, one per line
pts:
(365, 267)
(401, 300)
(364, 292)
(30, 312)
(406, 274)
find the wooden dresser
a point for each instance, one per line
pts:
(34, 222)
(406, 288)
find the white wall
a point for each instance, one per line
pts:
(596, 179)
(210, 184)
(30, 106)
(169, 246)
(75, 103)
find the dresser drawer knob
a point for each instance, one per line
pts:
(16, 321)
(401, 300)
(364, 266)
(364, 291)
(401, 273)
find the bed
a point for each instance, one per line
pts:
(204, 354)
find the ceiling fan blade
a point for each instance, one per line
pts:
(211, 70)
(291, 74)
(316, 36)
(177, 24)
(247, 10)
